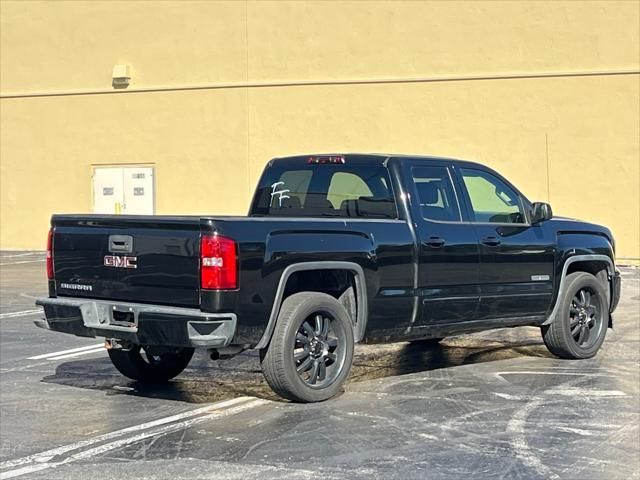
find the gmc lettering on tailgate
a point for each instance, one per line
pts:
(120, 261)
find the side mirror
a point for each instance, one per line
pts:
(540, 212)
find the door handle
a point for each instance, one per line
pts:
(491, 241)
(435, 242)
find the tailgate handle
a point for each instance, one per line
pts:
(120, 243)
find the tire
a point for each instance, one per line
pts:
(583, 307)
(315, 329)
(150, 368)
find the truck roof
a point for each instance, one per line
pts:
(376, 158)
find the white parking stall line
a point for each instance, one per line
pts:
(49, 454)
(79, 354)
(121, 438)
(536, 372)
(64, 352)
(585, 392)
(22, 261)
(30, 297)
(20, 314)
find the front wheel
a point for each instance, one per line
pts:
(147, 366)
(580, 325)
(311, 350)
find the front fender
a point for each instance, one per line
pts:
(601, 252)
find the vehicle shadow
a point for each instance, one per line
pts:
(206, 381)
(451, 352)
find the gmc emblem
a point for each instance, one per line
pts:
(117, 261)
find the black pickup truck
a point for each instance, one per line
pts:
(337, 249)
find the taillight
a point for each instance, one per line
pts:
(50, 255)
(218, 263)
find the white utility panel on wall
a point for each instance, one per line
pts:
(123, 190)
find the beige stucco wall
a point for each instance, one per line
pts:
(277, 78)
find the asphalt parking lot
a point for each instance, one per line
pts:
(490, 405)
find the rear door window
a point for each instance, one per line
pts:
(436, 195)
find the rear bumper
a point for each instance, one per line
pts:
(137, 323)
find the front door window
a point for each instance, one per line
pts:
(492, 200)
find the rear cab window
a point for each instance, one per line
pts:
(325, 186)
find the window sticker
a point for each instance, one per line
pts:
(106, 191)
(281, 194)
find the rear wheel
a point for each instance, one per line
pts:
(580, 326)
(311, 350)
(149, 366)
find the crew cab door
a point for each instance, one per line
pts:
(448, 253)
(516, 258)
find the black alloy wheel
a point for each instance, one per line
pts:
(310, 353)
(585, 318)
(579, 326)
(317, 351)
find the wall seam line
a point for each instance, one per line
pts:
(247, 100)
(311, 83)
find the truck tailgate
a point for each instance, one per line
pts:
(129, 258)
